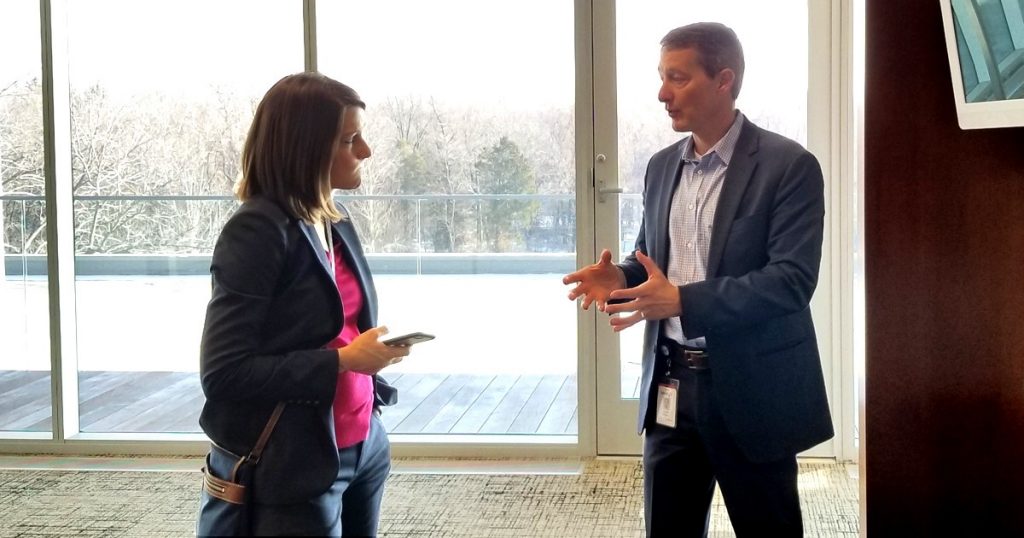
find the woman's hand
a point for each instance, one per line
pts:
(368, 355)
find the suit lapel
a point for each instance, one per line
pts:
(737, 177)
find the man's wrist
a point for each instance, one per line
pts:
(622, 276)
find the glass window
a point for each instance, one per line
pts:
(24, 319)
(467, 209)
(162, 95)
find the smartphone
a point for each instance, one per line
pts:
(408, 339)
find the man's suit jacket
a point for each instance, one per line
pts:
(274, 306)
(753, 307)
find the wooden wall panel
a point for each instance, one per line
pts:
(944, 274)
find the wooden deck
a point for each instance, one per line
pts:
(428, 403)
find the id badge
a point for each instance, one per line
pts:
(668, 392)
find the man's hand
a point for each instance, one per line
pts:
(595, 282)
(655, 299)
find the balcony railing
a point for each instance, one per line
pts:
(546, 244)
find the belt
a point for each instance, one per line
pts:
(693, 359)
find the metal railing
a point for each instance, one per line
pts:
(550, 229)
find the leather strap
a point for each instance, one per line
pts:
(257, 451)
(230, 490)
(223, 489)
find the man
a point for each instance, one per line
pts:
(726, 262)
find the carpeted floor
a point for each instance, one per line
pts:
(603, 500)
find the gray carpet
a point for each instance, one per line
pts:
(604, 500)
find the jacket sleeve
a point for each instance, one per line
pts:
(248, 262)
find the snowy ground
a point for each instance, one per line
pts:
(485, 324)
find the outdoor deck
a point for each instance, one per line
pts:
(428, 403)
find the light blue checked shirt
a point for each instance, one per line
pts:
(693, 211)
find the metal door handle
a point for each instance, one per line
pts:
(605, 191)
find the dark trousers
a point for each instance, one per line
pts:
(682, 465)
(351, 507)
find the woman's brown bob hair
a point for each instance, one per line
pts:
(290, 146)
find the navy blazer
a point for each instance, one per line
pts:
(274, 307)
(753, 307)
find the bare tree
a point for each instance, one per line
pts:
(131, 151)
(374, 218)
(21, 167)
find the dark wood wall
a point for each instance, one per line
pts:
(944, 269)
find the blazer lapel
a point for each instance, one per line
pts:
(352, 250)
(318, 249)
(737, 177)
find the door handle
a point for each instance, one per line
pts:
(602, 191)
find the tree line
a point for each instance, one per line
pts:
(450, 164)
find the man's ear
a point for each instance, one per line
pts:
(726, 78)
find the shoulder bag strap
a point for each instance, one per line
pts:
(257, 451)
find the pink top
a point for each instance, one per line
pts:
(353, 396)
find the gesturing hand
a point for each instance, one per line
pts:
(596, 282)
(368, 355)
(655, 299)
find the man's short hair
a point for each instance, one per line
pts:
(717, 48)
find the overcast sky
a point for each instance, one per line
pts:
(484, 53)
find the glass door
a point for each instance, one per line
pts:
(154, 152)
(631, 125)
(25, 381)
(467, 211)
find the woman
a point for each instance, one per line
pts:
(292, 320)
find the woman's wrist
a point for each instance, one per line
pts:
(341, 361)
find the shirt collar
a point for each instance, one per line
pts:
(724, 148)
